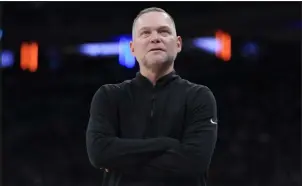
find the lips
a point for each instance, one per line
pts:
(157, 49)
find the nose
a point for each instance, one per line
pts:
(155, 38)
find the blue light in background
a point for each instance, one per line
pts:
(1, 33)
(7, 58)
(54, 58)
(125, 56)
(250, 49)
(295, 24)
(208, 44)
(120, 48)
(99, 49)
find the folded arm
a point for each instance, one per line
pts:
(105, 149)
(192, 156)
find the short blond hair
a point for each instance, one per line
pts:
(147, 10)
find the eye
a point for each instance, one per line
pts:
(164, 32)
(145, 33)
(167, 31)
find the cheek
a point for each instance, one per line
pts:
(172, 49)
(140, 52)
(140, 49)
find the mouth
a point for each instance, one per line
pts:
(157, 49)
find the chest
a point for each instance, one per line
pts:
(152, 114)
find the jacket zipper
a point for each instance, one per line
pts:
(152, 107)
(151, 114)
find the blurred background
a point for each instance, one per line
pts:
(54, 56)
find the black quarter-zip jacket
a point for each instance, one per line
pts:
(145, 135)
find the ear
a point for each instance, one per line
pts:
(132, 47)
(179, 43)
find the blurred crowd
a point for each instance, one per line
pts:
(46, 114)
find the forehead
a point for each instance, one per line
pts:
(153, 19)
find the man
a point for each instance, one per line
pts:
(156, 129)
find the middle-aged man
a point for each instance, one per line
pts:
(156, 129)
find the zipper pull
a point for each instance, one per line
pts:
(152, 108)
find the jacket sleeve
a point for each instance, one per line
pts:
(105, 149)
(191, 158)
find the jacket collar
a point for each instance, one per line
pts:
(141, 80)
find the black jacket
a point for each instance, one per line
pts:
(147, 135)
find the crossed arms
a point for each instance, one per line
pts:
(156, 157)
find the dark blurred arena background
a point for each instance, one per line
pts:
(46, 107)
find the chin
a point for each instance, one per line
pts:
(158, 60)
(156, 65)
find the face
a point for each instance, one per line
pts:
(155, 41)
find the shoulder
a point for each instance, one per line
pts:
(200, 100)
(197, 93)
(112, 90)
(194, 88)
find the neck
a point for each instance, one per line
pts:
(154, 75)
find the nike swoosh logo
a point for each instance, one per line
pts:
(213, 122)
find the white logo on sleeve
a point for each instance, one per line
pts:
(213, 122)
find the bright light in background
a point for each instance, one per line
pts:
(120, 48)
(29, 56)
(208, 44)
(99, 49)
(7, 58)
(225, 40)
(220, 45)
(125, 56)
